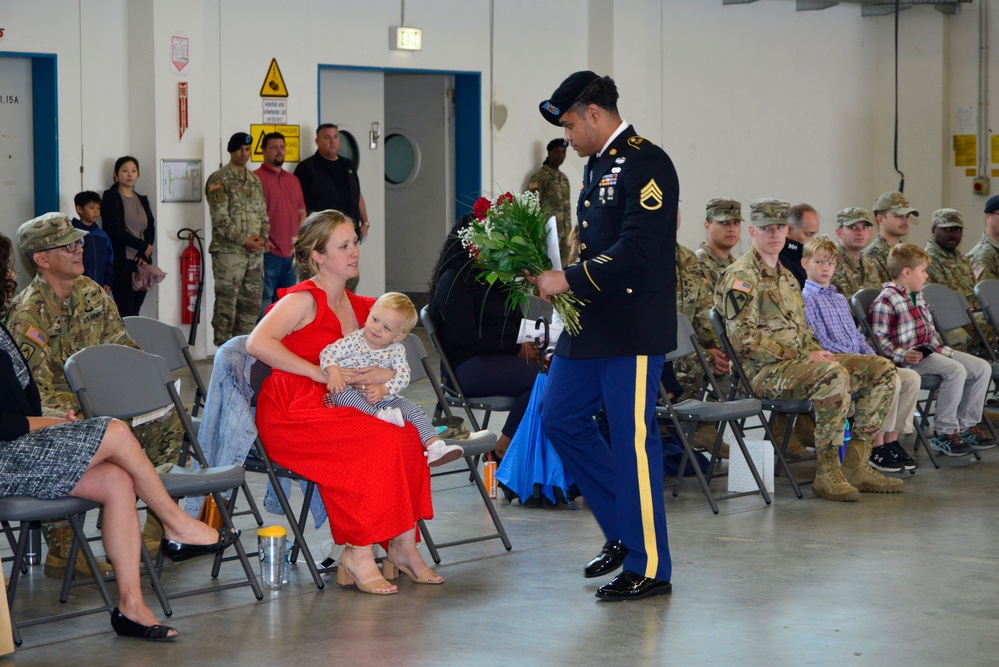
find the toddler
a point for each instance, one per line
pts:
(391, 318)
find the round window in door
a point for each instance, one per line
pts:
(402, 158)
(348, 147)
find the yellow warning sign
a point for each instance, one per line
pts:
(274, 82)
(292, 136)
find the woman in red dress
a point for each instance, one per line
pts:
(372, 475)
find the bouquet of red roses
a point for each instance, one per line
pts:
(508, 237)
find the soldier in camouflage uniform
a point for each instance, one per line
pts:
(694, 299)
(723, 224)
(854, 270)
(552, 187)
(892, 211)
(986, 252)
(60, 313)
(239, 235)
(765, 319)
(950, 268)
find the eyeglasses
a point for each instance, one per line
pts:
(69, 247)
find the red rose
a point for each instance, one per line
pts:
(505, 197)
(473, 251)
(481, 208)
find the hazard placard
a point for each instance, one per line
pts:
(274, 82)
(292, 136)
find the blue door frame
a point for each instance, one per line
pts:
(45, 121)
(467, 130)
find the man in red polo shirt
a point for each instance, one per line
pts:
(285, 210)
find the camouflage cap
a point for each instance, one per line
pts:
(723, 209)
(765, 212)
(947, 217)
(848, 216)
(896, 203)
(47, 231)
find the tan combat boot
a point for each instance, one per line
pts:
(858, 471)
(59, 537)
(152, 534)
(704, 440)
(800, 435)
(829, 481)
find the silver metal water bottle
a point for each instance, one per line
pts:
(271, 543)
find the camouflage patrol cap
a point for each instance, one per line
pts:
(721, 209)
(896, 203)
(947, 217)
(765, 212)
(567, 94)
(848, 216)
(47, 231)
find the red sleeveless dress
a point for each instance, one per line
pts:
(373, 476)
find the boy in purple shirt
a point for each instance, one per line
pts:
(828, 313)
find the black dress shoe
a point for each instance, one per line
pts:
(178, 551)
(611, 558)
(125, 627)
(631, 586)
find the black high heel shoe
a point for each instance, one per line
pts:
(126, 627)
(178, 551)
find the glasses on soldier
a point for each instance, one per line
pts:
(69, 247)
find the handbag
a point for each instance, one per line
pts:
(146, 276)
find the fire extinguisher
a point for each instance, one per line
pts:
(192, 280)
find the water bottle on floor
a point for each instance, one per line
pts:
(271, 544)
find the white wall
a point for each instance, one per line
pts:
(750, 100)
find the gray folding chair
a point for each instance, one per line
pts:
(145, 387)
(259, 462)
(168, 342)
(454, 395)
(861, 303)
(775, 406)
(693, 413)
(419, 365)
(31, 511)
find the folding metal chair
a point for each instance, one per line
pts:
(30, 511)
(168, 342)
(419, 365)
(259, 462)
(987, 295)
(951, 310)
(454, 395)
(775, 406)
(693, 413)
(146, 387)
(861, 303)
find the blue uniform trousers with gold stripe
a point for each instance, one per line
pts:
(623, 485)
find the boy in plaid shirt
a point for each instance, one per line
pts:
(903, 326)
(828, 313)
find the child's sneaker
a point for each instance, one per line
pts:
(901, 456)
(440, 452)
(883, 459)
(391, 415)
(976, 438)
(951, 444)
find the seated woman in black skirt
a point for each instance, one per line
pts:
(97, 459)
(478, 333)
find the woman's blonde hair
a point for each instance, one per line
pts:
(313, 234)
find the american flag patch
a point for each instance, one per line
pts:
(37, 336)
(742, 286)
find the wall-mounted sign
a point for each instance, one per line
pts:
(275, 111)
(180, 53)
(274, 82)
(182, 107)
(405, 39)
(292, 141)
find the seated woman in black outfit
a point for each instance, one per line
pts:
(97, 459)
(478, 333)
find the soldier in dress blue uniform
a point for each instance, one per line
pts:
(626, 274)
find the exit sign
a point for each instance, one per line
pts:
(405, 39)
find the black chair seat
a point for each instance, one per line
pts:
(713, 412)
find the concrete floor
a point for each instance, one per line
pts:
(907, 579)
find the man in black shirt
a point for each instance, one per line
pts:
(803, 225)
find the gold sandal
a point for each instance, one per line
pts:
(391, 569)
(344, 577)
